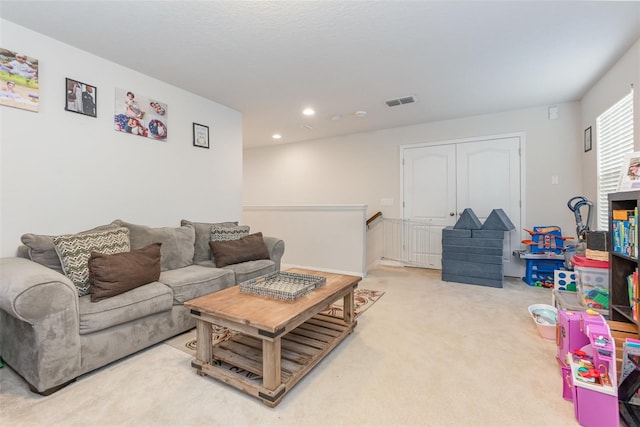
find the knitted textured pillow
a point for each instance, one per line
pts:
(226, 233)
(74, 251)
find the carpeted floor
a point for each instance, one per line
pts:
(363, 300)
(430, 353)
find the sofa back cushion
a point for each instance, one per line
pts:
(177, 242)
(74, 251)
(111, 275)
(203, 237)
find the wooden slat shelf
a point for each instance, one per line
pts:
(246, 352)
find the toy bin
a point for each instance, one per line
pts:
(592, 282)
(545, 317)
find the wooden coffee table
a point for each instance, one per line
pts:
(279, 341)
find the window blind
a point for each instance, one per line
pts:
(614, 137)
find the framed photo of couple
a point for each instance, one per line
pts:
(81, 98)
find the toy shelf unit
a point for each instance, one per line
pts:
(545, 255)
(623, 264)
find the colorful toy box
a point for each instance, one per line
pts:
(592, 282)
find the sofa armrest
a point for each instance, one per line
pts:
(30, 291)
(275, 246)
(39, 330)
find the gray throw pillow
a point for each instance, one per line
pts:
(43, 251)
(177, 242)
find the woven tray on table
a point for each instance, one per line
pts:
(282, 285)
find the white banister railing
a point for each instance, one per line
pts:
(321, 237)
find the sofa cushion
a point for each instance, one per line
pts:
(111, 275)
(203, 237)
(248, 248)
(251, 269)
(143, 301)
(177, 242)
(42, 250)
(195, 280)
(74, 251)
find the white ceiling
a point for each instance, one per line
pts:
(269, 59)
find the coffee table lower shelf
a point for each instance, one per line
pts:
(301, 350)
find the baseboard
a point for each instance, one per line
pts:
(391, 263)
(326, 270)
(372, 265)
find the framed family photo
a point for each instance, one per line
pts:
(19, 87)
(630, 172)
(81, 98)
(200, 135)
(140, 115)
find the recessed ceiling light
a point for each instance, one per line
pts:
(307, 126)
(276, 136)
(308, 112)
(360, 113)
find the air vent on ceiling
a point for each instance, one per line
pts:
(400, 101)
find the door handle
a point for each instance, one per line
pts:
(451, 213)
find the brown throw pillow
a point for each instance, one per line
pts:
(248, 248)
(111, 275)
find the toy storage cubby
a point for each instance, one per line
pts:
(621, 265)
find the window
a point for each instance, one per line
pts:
(614, 137)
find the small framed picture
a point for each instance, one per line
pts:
(80, 98)
(587, 139)
(200, 135)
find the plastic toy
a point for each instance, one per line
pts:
(546, 239)
(544, 255)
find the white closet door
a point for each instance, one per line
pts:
(440, 181)
(488, 174)
(429, 201)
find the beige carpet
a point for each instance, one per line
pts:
(430, 353)
(363, 300)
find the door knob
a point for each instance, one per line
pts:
(451, 213)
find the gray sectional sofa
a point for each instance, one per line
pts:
(50, 335)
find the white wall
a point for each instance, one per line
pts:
(319, 237)
(365, 168)
(63, 172)
(614, 85)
